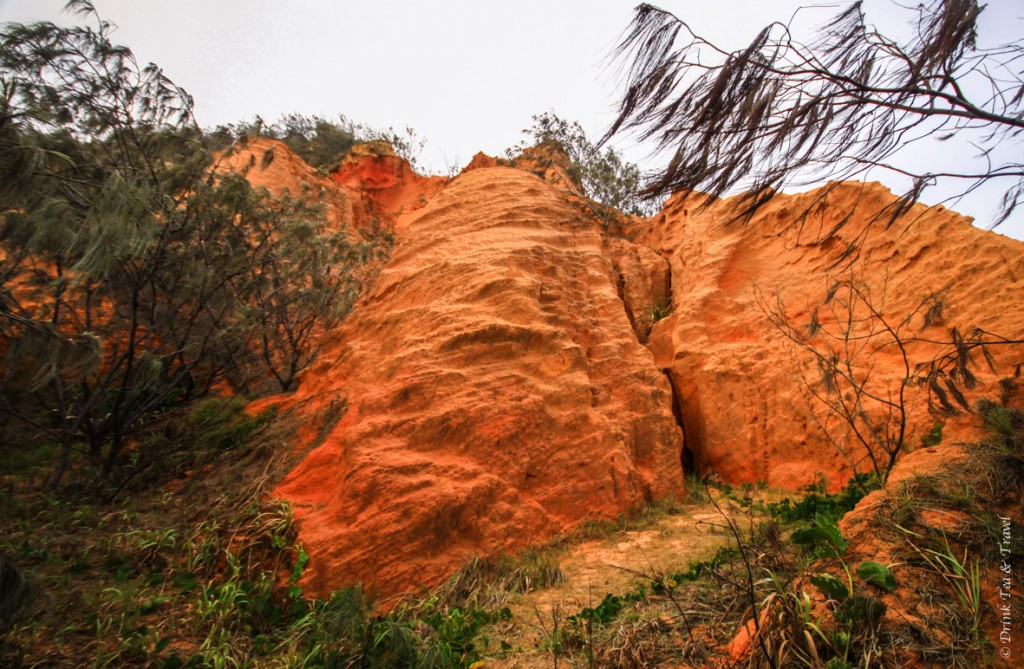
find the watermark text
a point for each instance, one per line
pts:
(1006, 588)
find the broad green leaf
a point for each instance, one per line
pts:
(828, 525)
(877, 574)
(859, 608)
(823, 536)
(831, 586)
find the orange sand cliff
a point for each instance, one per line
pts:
(744, 401)
(504, 379)
(497, 394)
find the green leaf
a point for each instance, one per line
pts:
(877, 574)
(807, 537)
(186, 582)
(831, 586)
(861, 609)
(828, 525)
(152, 604)
(823, 537)
(841, 640)
(300, 564)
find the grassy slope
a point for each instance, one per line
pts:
(200, 571)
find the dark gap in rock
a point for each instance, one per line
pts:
(687, 461)
(620, 287)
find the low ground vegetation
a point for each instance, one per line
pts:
(204, 571)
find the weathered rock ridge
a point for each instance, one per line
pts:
(496, 394)
(505, 378)
(743, 387)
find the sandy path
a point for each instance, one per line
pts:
(614, 564)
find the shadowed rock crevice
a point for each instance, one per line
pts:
(687, 458)
(620, 288)
(643, 282)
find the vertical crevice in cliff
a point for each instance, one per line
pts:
(687, 461)
(641, 279)
(643, 284)
(620, 288)
(668, 283)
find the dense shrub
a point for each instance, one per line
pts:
(133, 277)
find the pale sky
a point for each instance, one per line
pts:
(466, 74)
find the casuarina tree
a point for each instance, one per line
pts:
(781, 111)
(134, 276)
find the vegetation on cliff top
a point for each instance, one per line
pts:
(602, 181)
(319, 141)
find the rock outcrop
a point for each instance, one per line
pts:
(270, 164)
(382, 185)
(496, 394)
(516, 369)
(744, 388)
(366, 193)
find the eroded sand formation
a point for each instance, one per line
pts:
(504, 379)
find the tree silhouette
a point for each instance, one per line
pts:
(781, 112)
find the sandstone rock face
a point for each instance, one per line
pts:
(516, 370)
(743, 387)
(367, 192)
(643, 281)
(497, 393)
(382, 185)
(270, 164)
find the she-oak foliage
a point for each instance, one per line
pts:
(603, 180)
(781, 112)
(133, 275)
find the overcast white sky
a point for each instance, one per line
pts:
(466, 74)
